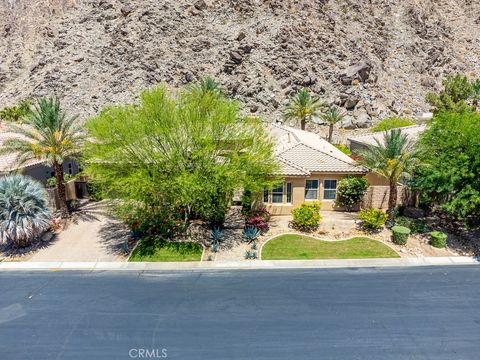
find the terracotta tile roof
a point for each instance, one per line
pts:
(302, 153)
(8, 162)
(412, 132)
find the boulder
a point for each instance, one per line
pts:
(347, 123)
(200, 5)
(351, 102)
(359, 71)
(362, 120)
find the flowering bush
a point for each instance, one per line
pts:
(372, 219)
(258, 218)
(307, 216)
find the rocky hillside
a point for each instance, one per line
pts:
(373, 57)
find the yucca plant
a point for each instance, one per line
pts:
(210, 86)
(251, 233)
(24, 212)
(50, 136)
(302, 107)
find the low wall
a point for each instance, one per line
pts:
(377, 197)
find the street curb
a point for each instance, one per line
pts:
(240, 265)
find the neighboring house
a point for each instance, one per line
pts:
(311, 168)
(36, 169)
(361, 142)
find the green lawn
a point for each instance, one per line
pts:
(157, 250)
(299, 247)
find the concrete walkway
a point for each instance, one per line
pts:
(90, 236)
(247, 265)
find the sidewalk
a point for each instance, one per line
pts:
(232, 265)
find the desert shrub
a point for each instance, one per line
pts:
(24, 212)
(251, 233)
(165, 224)
(392, 123)
(258, 218)
(350, 191)
(400, 234)
(307, 216)
(372, 219)
(16, 113)
(438, 239)
(343, 148)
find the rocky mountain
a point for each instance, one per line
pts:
(373, 57)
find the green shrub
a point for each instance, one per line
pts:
(153, 222)
(343, 148)
(416, 226)
(350, 191)
(95, 190)
(400, 234)
(307, 216)
(392, 123)
(438, 239)
(51, 182)
(372, 219)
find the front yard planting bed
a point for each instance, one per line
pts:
(159, 250)
(299, 247)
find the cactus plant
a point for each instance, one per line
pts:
(251, 233)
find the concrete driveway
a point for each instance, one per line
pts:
(91, 235)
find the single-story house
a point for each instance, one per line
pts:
(36, 168)
(361, 142)
(311, 168)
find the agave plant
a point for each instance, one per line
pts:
(251, 233)
(24, 212)
(217, 235)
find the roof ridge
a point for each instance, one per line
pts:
(286, 128)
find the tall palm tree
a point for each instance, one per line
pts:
(50, 135)
(393, 158)
(331, 116)
(24, 212)
(302, 107)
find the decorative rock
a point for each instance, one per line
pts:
(126, 10)
(200, 5)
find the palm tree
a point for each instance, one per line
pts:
(303, 106)
(50, 136)
(393, 158)
(24, 212)
(331, 116)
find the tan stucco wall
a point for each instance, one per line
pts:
(298, 194)
(379, 191)
(376, 196)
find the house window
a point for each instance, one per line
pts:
(265, 195)
(70, 170)
(330, 189)
(289, 193)
(311, 190)
(277, 194)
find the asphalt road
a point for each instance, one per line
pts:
(411, 313)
